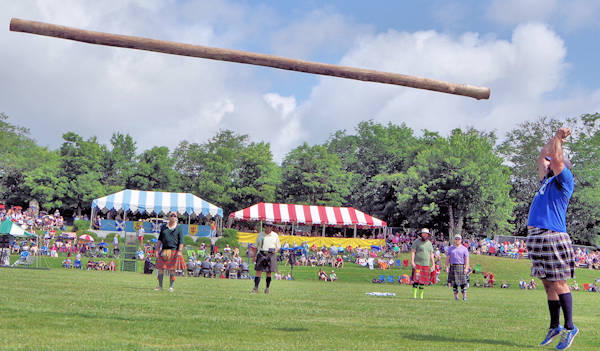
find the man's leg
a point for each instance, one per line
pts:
(415, 289)
(160, 279)
(256, 281)
(463, 288)
(268, 280)
(171, 280)
(421, 291)
(553, 303)
(455, 290)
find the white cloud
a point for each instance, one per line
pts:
(520, 72)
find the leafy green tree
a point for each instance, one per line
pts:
(583, 216)
(154, 171)
(374, 152)
(119, 163)
(19, 154)
(228, 170)
(456, 183)
(81, 170)
(312, 175)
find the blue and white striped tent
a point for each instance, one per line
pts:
(156, 202)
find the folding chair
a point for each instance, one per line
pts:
(390, 279)
(586, 286)
(245, 274)
(382, 278)
(233, 274)
(405, 263)
(478, 268)
(398, 263)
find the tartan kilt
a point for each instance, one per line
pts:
(169, 260)
(456, 274)
(266, 262)
(421, 274)
(551, 254)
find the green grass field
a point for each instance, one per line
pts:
(61, 309)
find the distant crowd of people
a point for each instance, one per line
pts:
(32, 220)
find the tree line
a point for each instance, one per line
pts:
(466, 182)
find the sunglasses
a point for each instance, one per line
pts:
(172, 215)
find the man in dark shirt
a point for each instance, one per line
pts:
(169, 251)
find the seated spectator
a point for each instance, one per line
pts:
(332, 276)
(288, 277)
(77, 263)
(91, 265)
(575, 286)
(112, 266)
(322, 275)
(66, 263)
(522, 284)
(277, 275)
(504, 285)
(532, 285)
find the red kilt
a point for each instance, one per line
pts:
(421, 275)
(169, 260)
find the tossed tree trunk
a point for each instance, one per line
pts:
(169, 47)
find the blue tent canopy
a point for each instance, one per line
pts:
(156, 202)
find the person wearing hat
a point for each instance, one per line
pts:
(457, 262)
(267, 246)
(548, 243)
(421, 260)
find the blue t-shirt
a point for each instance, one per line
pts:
(549, 206)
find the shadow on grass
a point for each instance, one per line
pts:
(289, 329)
(446, 339)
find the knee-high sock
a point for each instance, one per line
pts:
(554, 309)
(455, 288)
(415, 292)
(268, 282)
(172, 280)
(160, 279)
(256, 281)
(566, 302)
(421, 291)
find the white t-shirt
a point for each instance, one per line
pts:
(265, 242)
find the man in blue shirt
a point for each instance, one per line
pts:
(549, 245)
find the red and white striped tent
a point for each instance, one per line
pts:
(308, 215)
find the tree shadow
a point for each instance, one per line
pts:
(447, 339)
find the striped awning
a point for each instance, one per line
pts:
(156, 202)
(307, 214)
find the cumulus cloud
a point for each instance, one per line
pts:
(521, 73)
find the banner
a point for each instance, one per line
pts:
(318, 241)
(138, 225)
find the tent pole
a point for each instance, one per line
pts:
(355, 231)
(323, 231)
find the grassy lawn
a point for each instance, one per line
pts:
(61, 309)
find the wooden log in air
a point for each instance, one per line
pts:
(174, 48)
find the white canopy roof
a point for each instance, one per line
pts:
(156, 202)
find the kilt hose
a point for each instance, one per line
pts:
(266, 262)
(456, 274)
(421, 275)
(551, 254)
(170, 261)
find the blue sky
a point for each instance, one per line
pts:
(538, 57)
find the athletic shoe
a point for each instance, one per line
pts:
(552, 332)
(464, 299)
(266, 290)
(254, 291)
(566, 338)
(158, 288)
(171, 289)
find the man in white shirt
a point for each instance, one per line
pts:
(267, 245)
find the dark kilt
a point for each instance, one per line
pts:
(456, 274)
(266, 262)
(551, 254)
(169, 260)
(421, 275)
